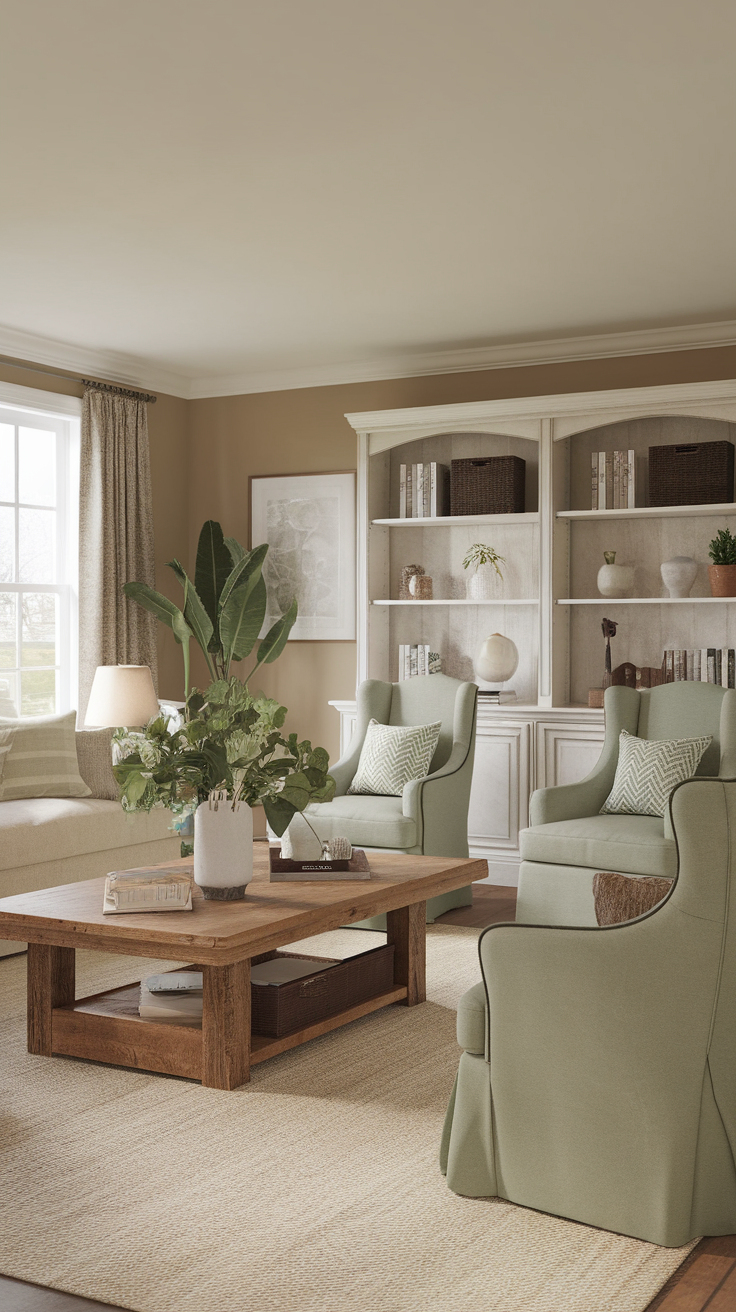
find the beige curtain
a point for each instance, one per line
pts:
(115, 537)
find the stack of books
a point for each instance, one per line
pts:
(424, 491)
(147, 888)
(417, 660)
(700, 665)
(174, 998)
(613, 480)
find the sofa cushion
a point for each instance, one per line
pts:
(94, 754)
(632, 844)
(471, 1020)
(366, 821)
(51, 828)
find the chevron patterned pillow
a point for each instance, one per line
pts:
(392, 754)
(648, 771)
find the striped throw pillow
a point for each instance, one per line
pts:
(647, 772)
(392, 754)
(38, 758)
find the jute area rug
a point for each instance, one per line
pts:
(313, 1189)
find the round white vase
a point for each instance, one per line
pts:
(678, 575)
(223, 850)
(497, 659)
(481, 586)
(615, 580)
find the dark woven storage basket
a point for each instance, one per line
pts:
(278, 1009)
(491, 485)
(693, 474)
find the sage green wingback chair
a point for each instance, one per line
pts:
(431, 817)
(568, 841)
(598, 1077)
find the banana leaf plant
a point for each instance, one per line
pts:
(224, 607)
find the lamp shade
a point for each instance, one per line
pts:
(122, 696)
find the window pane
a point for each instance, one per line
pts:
(9, 695)
(37, 554)
(37, 466)
(7, 462)
(7, 545)
(39, 629)
(7, 631)
(38, 692)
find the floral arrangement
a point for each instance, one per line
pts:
(479, 554)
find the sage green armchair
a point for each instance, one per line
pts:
(598, 1077)
(431, 817)
(568, 841)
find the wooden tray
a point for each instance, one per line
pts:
(285, 871)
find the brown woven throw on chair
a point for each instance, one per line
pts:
(624, 897)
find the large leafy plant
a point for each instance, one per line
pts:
(228, 740)
(224, 607)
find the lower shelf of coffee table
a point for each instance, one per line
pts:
(106, 1027)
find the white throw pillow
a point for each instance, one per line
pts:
(393, 754)
(648, 771)
(38, 758)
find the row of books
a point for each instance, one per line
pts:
(700, 665)
(414, 660)
(424, 491)
(613, 480)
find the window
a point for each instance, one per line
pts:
(39, 495)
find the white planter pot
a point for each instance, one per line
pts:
(678, 575)
(481, 586)
(223, 850)
(615, 580)
(299, 842)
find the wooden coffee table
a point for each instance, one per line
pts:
(221, 939)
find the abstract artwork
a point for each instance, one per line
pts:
(308, 521)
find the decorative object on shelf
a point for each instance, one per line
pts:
(493, 485)
(420, 587)
(692, 474)
(678, 575)
(496, 662)
(722, 573)
(308, 521)
(223, 847)
(407, 573)
(615, 580)
(628, 675)
(700, 665)
(481, 584)
(613, 480)
(416, 660)
(424, 491)
(595, 695)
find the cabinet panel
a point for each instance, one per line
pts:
(566, 752)
(499, 798)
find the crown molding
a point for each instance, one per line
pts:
(134, 371)
(110, 366)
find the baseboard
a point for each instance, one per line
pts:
(505, 873)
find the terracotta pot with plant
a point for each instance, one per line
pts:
(722, 573)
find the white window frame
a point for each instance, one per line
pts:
(25, 405)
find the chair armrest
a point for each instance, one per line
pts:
(438, 804)
(573, 801)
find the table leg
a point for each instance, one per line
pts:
(407, 930)
(50, 984)
(226, 1025)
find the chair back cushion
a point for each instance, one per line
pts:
(433, 697)
(393, 754)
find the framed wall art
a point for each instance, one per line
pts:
(308, 521)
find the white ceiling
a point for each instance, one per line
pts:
(218, 193)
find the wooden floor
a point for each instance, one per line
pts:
(707, 1279)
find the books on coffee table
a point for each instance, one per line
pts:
(147, 888)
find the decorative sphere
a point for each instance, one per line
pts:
(497, 659)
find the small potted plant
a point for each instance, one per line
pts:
(481, 584)
(722, 573)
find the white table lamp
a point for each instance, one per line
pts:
(122, 696)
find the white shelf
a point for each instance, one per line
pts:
(457, 521)
(644, 601)
(457, 601)
(651, 512)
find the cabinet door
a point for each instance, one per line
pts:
(567, 752)
(499, 798)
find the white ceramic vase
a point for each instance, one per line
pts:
(497, 659)
(678, 575)
(223, 849)
(615, 580)
(481, 586)
(299, 842)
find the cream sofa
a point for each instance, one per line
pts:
(46, 841)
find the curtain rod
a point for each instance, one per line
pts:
(73, 378)
(114, 390)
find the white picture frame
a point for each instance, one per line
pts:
(308, 521)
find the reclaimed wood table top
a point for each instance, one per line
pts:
(217, 932)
